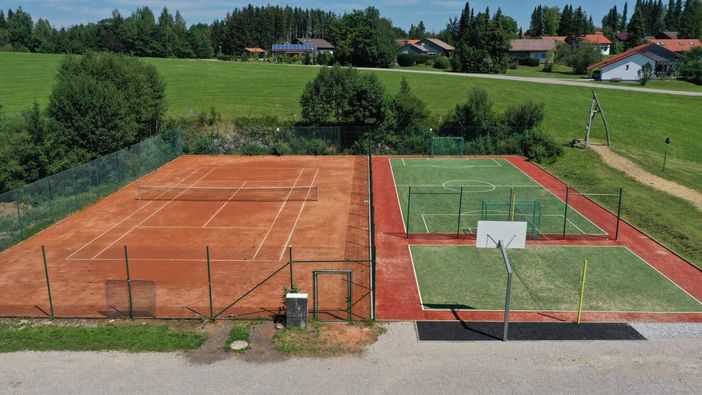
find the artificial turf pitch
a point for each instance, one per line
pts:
(546, 278)
(441, 187)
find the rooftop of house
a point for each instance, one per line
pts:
(677, 45)
(597, 38)
(255, 50)
(440, 44)
(533, 45)
(287, 47)
(650, 50)
(320, 43)
(403, 42)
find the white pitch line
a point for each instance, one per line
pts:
(280, 210)
(126, 218)
(172, 259)
(298, 214)
(397, 194)
(224, 204)
(425, 223)
(199, 227)
(151, 215)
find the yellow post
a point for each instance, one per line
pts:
(582, 291)
(514, 205)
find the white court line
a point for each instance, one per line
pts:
(472, 186)
(425, 223)
(403, 162)
(299, 214)
(416, 279)
(151, 215)
(126, 218)
(131, 258)
(280, 210)
(224, 204)
(496, 162)
(397, 194)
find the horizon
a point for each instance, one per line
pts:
(403, 13)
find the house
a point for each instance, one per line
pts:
(534, 48)
(254, 52)
(598, 39)
(677, 45)
(323, 46)
(403, 42)
(427, 47)
(626, 65)
(293, 49)
(667, 35)
(622, 36)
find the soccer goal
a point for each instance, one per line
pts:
(447, 146)
(528, 211)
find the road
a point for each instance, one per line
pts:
(549, 81)
(398, 363)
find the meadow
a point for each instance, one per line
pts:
(639, 122)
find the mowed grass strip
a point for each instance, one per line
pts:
(436, 197)
(547, 278)
(132, 338)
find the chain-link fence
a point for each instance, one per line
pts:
(31, 208)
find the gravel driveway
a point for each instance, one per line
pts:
(398, 363)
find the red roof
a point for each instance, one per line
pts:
(625, 54)
(255, 50)
(597, 39)
(678, 45)
(558, 39)
(403, 42)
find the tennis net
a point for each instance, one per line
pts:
(225, 194)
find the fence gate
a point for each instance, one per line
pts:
(332, 295)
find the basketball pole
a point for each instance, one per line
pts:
(582, 291)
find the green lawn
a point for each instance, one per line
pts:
(673, 85)
(251, 89)
(546, 278)
(437, 198)
(134, 338)
(559, 71)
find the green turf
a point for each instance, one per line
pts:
(436, 186)
(546, 278)
(134, 338)
(563, 72)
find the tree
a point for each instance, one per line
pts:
(536, 26)
(691, 70)
(409, 109)
(552, 17)
(645, 73)
(579, 57)
(44, 40)
(417, 32)
(565, 27)
(475, 117)
(637, 30)
(625, 16)
(19, 27)
(100, 103)
(691, 20)
(364, 39)
(344, 96)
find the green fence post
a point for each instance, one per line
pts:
(129, 283)
(290, 263)
(48, 283)
(19, 214)
(565, 213)
(209, 281)
(51, 200)
(460, 209)
(619, 213)
(409, 204)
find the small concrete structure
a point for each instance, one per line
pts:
(296, 308)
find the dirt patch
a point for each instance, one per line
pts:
(213, 349)
(616, 161)
(328, 339)
(261, 348)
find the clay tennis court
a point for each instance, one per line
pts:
(244, 212)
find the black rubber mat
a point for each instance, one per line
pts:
(480, 331)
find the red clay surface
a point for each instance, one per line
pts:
(397, 296)
(167, 242)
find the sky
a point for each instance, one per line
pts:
(403, 13)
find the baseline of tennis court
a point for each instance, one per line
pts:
(205, 236)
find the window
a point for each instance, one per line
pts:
(627, 67)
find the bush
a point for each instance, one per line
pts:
(531, 62)
(406, 60)
(645, 74)
(540, 146)
(254, 148)
(524, 116)
(578, 57)
(548, 67)
(325, 59)
(442, 63)
(691, 71)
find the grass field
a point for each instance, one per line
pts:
(436, 196)
(546, 278)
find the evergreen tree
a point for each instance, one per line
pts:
(691, 20)
(636, 28)
(536, 27)
(565, 27)
(3, 21)
(625, 16)
(20, 29)
(670, 20)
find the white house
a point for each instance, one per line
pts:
(626, 65)
(534, 48)
(425, 46)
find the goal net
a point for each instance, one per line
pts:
(447, 146)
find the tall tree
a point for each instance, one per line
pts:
(637, 27)
(552, 17)
(625, 17)
(536, 26)
(566, 25)
(691, 20)
(20, 29)
(363, 38)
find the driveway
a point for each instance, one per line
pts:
(398, 363)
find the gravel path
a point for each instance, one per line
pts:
(398, 363)
(635, 171)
